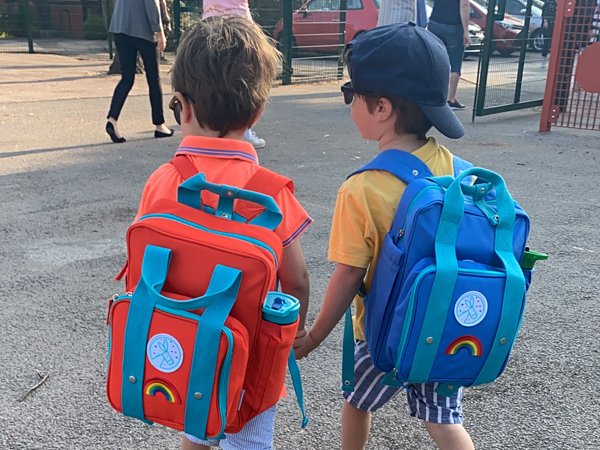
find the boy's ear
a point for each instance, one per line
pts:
(257, 116)
(385, 108)
(187, 108)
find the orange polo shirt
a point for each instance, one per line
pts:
(223, 161)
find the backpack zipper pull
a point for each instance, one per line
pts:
(110, 302)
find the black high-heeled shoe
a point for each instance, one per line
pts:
(110, 129)
(160, 134)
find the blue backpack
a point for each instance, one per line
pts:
(448, 292)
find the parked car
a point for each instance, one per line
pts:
(315, 26)
(517, 9)
(506, 32)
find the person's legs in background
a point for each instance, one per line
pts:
(452, 37)
(149, 55)
(454, 104)
(253, 139)
(456, 54)
(127, 56)
(546, 47)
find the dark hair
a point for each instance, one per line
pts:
(226, 64)
(410, 119)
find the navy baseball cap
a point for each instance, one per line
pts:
(406, 61)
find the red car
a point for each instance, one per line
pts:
(316, 25)
(506, 32)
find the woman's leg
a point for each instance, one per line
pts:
(127, 56)
(452, 37)
(547, 41)
(150, 57)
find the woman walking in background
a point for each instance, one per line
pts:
(218, 8)
(137, 27)
(449, 21)
(548, 18)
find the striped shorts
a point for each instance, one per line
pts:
(424, 403)
(256, 435)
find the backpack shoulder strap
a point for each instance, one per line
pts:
(403, 165)
(268, 182)
(184, 166)
(460, 165)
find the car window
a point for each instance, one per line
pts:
(475, 14)
(333, 5)
(514, 7)
(377, 3)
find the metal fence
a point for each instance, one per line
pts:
(311, 34)
(512, 73)
(572, 97)
(70, 27)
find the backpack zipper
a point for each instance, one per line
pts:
(221, 233)
(224, 380)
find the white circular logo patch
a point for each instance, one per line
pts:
(164, 353)
(470, 308)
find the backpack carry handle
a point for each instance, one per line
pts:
(224, 281)
(472, 190)
(189, 193)
(476, 191)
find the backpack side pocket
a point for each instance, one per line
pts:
(276, 335)
(381, 301)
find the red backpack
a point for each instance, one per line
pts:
(203, 342)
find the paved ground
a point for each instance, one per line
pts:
(68, 195)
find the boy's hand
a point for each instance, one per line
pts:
(302, 343)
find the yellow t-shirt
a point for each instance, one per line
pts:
(364, 211)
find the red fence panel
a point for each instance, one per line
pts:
(572, 96)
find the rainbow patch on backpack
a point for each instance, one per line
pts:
(471, 343)
(156, 385)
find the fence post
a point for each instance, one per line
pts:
(286, 76)
(176, 23)
(28, 23)
(343, 5)
(108, 18)
(523, 52)
(485, 57)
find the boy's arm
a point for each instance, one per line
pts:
(293, 276)
(342, 289)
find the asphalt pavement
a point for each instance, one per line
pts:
(67, 196)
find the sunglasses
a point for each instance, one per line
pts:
(348, 90)
(175, 106)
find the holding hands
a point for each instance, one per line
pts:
(303, 343)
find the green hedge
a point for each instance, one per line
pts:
(94, 28)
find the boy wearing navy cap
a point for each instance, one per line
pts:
(398, 92)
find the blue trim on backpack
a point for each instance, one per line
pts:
(348, 354)
(218, 301)
(190, 193)
(297, 383)
(220, 233)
